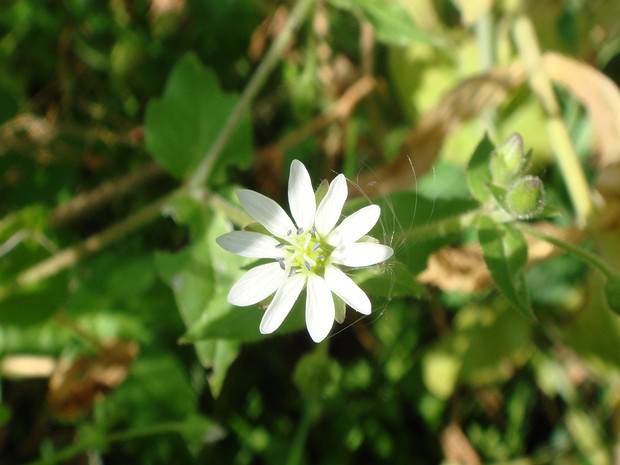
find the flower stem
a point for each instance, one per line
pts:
(76, 449)
(572, 172)
(578, 252)
(70, 256)
(256, 82)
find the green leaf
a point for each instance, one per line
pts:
(391, 21)
(407, 218)
(242, 324)
(478, 172)
(317, 375)
(499, 194)
(505, 253)
(155, 379)
(8, 105)
(184, 122)
(612, 293)
(199, 430)
(201, 276)
(33, 305)
(476, 352)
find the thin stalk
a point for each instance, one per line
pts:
(578, 252)
(572, 172)
(251, 90)
(76, 449)
(70, 256)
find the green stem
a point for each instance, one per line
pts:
(256, 82)
(70, 256)
(578, 252)
(76, 449)
(310, 413)
(572, 172)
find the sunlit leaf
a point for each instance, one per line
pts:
(478, 172)
(184, 122)
(505, 253)
(391, 21)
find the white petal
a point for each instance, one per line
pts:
(266, 211)
(301, 196)
(257, 284)
(320, 312)
(282, 303)
(347, 290)
(328, 212)
(250, 244)
(361, 254)
(355, 226)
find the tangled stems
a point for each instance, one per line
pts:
(71, 255)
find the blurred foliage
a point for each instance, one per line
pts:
(485, 345)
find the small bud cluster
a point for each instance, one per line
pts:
(522, 196)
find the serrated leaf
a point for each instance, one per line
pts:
(505, 253)
(478, 172)
(182, 124)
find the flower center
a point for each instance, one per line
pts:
(303, 252)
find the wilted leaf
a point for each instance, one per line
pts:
(76, 384)
(599, 94)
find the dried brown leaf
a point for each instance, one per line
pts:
(467, 100)
(598, 94)
(462, 269)
(75, 384)
(457, 448)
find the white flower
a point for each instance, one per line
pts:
(307, 253)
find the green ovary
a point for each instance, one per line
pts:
(307, 253)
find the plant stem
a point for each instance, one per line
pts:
(578, 252)
(256, 82)
(70, 256)
(572, 172)
(75, 449)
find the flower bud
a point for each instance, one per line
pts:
(507, 160)
(525, 198)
